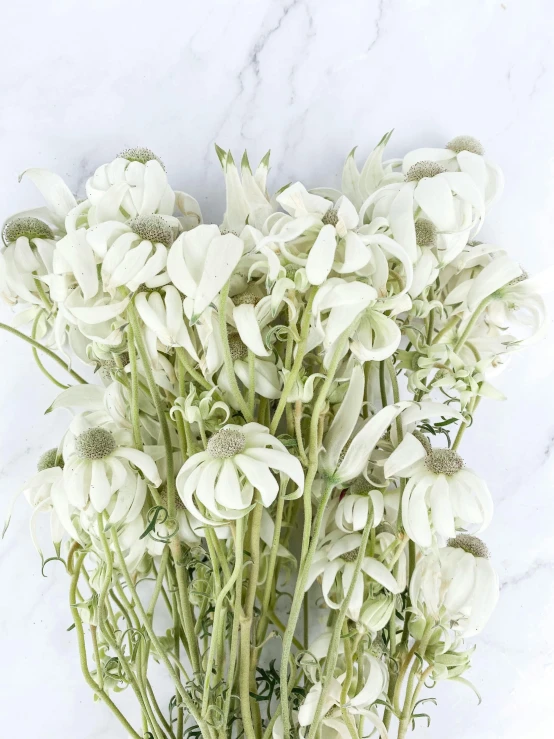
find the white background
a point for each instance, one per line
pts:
(310, 79)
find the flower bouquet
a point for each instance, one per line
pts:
(263, 449)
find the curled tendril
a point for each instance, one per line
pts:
(153, 517)
(114, 669)
(53, 559)
(277, 333)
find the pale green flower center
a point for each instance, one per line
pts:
(471, 544)
(226, 443)
(152, 228)
(466, 143)
(331, 218)
(48, 460)
(32, 228)
(246, 298)
(419, 170)
(378, 647)
(139, 154)
(360, 486)
(95, 443)
(291, 270)
(237, 347)
(225, 231)
(426, 232)
(351, 556)
(444, 462)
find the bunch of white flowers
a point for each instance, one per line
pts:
(306, 370)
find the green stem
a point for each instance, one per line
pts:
(228, 360)
(160, 410)
(44, 349)
(83, 655)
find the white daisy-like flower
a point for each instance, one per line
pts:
(27, 257)
(464, 154)
(323, 229)
(97, 464)
(163, 314)
(238, 460)
(44, 493)
(441, 494)
(457, 585)
(335, 562)
(360, 503)
(358, 702)
(135, 182)
(200, 262)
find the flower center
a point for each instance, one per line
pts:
(351, 556)
(378, 647)
(444, 462)
(426, 232)
(226, 443)
(331, 218)
(246, 298)
(291, 270)
(466, 143)
(139, 154)
(471, 544)
(48, 460)
(32, 228)
(96, 443)
(238, 348)
(225, 231)
(419, 170)
(360, 486)
(152, 228)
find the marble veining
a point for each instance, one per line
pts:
(310, 79)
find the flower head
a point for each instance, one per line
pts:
(237, 461)
(31, 228)
(139, 154)
(466, 143)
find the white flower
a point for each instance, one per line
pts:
(335, 561)
(441, 494)
(358, 703)
(237, 461)
(200, 262)
(248, 202)
(464, 154)
(358, 186)
(457, 585)
(162, 312)
(355, 508)
(334, 227)
(134, 183)
(351, 464)
(97, 465)
(44, 494)
(27, 258)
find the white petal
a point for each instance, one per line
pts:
(365, 440)
(224, 253)
(407, 454)
(249, 330)
(380, 573)
(141, 460)
(259, 476)
(321, 256)
(53, 189)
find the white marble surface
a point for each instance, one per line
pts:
(310, 79)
